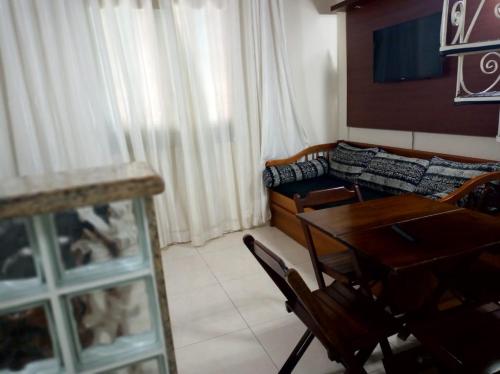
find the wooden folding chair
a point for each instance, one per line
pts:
(337, 265)
(463, 339)
(346, 322)
(479, 280)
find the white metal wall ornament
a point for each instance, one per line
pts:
(460, 43)
(489, 65)
(457, 42)
(498, 133)
(459, 20)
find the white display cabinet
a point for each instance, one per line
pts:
(81, 279)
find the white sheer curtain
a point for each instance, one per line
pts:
(198, 88)
(54, 113)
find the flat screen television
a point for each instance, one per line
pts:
(408, 51)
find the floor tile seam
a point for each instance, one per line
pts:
(212, 338)
(194, 290)
(263, 346)
(202, 251)
(246, 322)
(173, 295)
(228, 308)
(218, 282)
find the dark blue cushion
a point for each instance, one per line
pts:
(305, 186)
(322, 183)
(371, 194)
(278, 175)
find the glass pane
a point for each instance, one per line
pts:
(94, 235)
(17, 262)
(26, 342)
(145, 367)
(113, 321)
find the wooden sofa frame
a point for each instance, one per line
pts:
(283, 208)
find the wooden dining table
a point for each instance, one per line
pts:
(412, 235)
(408, 233)
(338, 221)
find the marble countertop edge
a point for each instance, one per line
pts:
(25, 196)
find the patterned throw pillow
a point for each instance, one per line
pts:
(392, 173)
(348, 162)
(443, 176)
(281, 174)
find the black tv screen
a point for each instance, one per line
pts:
(408, 51)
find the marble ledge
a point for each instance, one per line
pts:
(26, 196)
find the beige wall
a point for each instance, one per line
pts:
(454, 144)
(312, 50)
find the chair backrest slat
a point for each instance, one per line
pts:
(329, 334)
(291, 284)
(273, 265)
(328, 196)
(312, 200)
(300, 299)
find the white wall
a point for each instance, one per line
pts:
(312, 49)
(316, 47)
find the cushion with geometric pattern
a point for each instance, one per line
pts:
(277, 175)
(348, 162)
(443, 176)
(392, 173)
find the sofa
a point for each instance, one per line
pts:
(379, 171)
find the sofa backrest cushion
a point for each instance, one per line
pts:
(348, 162)
(392, 173)
(443, 176)
(281, 174)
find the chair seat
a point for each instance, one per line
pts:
(337, 263)
(463, 339)
(355, 316)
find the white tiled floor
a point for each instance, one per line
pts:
(229, 317)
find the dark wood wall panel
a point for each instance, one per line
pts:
(425, 105)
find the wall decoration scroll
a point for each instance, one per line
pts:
(470, 30)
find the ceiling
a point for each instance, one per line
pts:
(323, 6)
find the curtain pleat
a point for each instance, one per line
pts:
(200, 89)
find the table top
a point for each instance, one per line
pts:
(431, 239)
(374, 213)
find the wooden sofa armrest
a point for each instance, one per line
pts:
(469, 186)
(315, 150)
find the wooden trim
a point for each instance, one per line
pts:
(321, 197)
(286, 221)
(282, 201)
(343, 6)
(469, 186)
(304, 153)
(315, 149)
